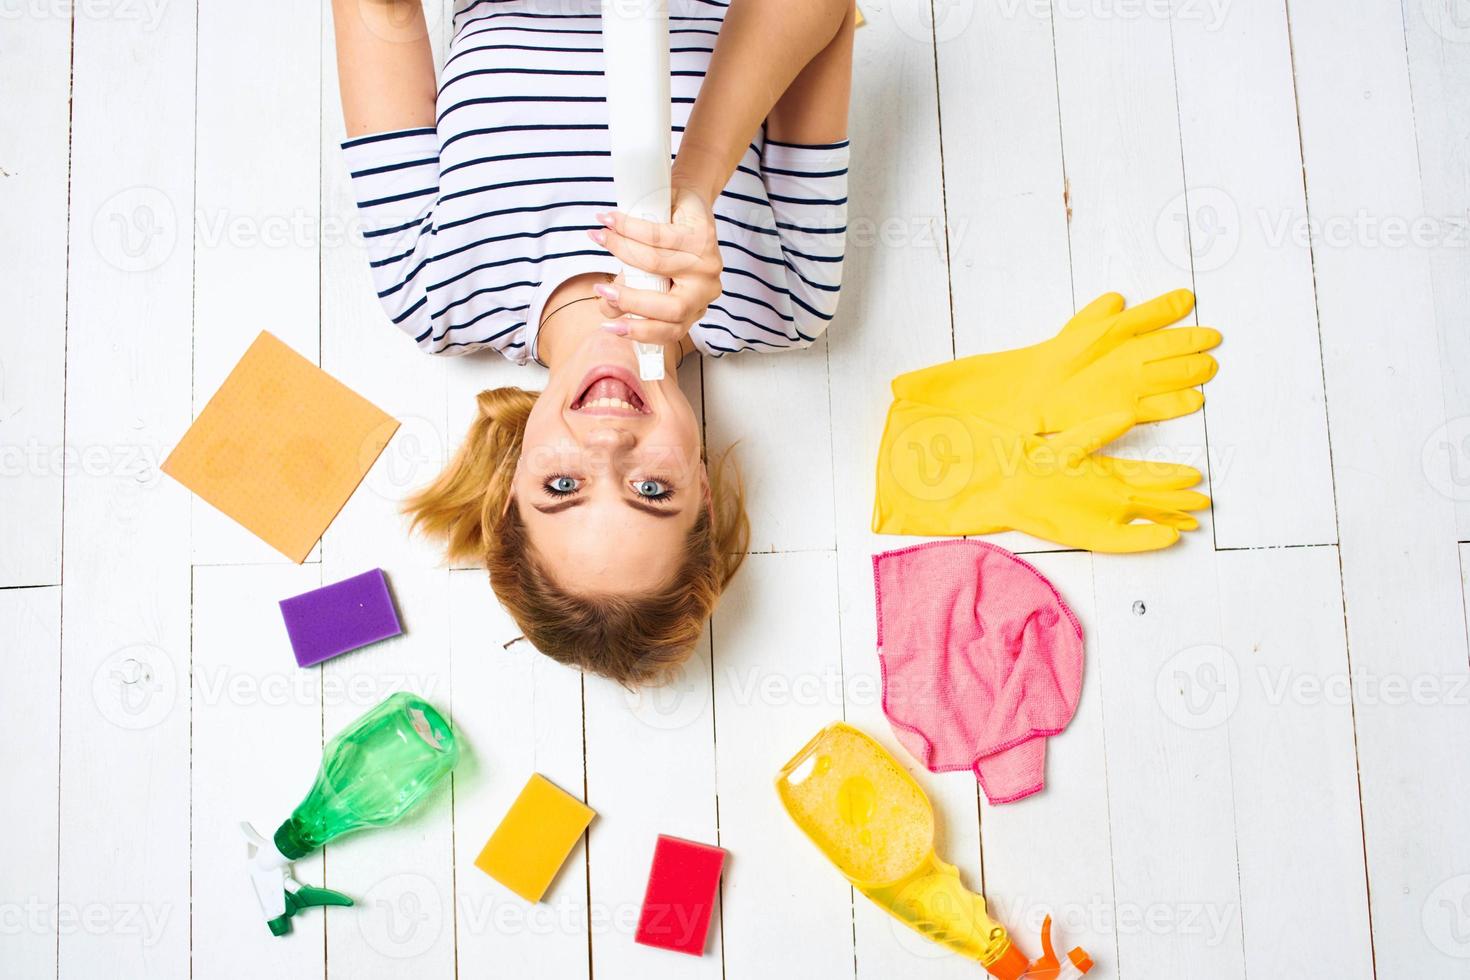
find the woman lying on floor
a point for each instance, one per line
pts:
(489, 214)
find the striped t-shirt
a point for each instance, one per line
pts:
(470, 225)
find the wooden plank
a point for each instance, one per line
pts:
(408, 904)
(650, 771)
(1051, 854)
(1004, 186)
(636, 802)
(1384, 389)
(256, 224)
(30, 623)
(1171, 820)
(126, 645)
(34, 136)
(776, 412)
(516, 712)
(1286, 693)
(786, 910)
(256, 735)
(1439, 73)
(894, 317)
(1243, 208)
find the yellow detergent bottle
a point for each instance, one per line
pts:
(866, 813)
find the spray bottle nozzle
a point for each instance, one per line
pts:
(305, 897)
(280, 895)
(1051, 967)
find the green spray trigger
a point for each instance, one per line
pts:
(308, 897)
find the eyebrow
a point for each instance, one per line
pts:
(653, 509)
(562, 505)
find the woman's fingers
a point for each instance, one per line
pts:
(666, 235)
(649, 304)
(660, 261)
(646, 331)
(675, 307)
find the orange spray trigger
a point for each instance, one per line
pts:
(1049, 967)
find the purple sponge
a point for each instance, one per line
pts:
(343, 616)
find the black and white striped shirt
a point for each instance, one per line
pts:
(470, 225)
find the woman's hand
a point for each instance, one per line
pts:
(686, 250)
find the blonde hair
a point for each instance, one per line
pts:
(632, 639)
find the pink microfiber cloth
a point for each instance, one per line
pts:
(982, 661)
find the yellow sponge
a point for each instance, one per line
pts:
(533, 841)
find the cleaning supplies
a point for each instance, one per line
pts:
(866, 813)
(982, 661)
(280, 446)
(680, 899)
(635, 42)
(1008, 440)
(372, 773)
(1051, 967)
(532, 842)
(1106, 360)
(942, 472)
(343, 616)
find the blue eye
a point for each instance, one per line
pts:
(562, 486)
(652, 489)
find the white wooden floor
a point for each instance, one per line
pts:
(1267, 776)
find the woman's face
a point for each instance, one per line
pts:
(610, 478)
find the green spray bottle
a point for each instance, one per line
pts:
(372, 773)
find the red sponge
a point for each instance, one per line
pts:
(680, 896)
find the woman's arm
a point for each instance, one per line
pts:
(787, 61)
(385, 67)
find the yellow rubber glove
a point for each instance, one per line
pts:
(1105, 360)
(942, 472)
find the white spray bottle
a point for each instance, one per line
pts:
(635, 41)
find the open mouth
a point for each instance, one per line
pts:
(610, 390)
